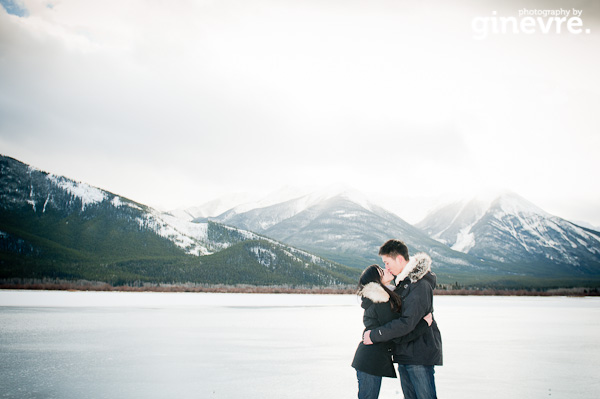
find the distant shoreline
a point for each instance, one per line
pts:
(251, 289)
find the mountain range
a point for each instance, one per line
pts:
(52, 227)
(509, 229)
(347, 228)
(507, 237)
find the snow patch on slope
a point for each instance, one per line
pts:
(87, 194)
(264, 256)
(186, 235)
(118, 202)
(465, 240)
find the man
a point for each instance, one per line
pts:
(414, 283)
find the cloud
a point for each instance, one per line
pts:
(186, 100)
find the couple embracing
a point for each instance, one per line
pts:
(399, 326)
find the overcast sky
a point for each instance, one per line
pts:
(175, 103)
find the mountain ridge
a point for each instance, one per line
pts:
(53, 226)
(348, 231)
(511, 229)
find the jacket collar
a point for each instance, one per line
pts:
(375, 293)
(418, 266)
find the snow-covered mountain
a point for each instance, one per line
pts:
(57, 222)
(211, 208)
(509, 229)
(346, 227)
(235, 203)
(262, 215)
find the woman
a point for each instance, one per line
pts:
(381, 305)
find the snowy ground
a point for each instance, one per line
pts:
(157, 345)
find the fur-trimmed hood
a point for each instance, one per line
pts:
(375, 293)
(418, 266)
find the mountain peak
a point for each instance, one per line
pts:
(342, 191)
(511, 229)
(512, 203)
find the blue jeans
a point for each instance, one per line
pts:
(368, 385)
(417, 381)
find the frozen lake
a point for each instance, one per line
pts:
(191, 345)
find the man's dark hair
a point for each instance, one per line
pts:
(393, 248)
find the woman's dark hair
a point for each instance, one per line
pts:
(372, 274)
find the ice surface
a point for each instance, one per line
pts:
(157, 345)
